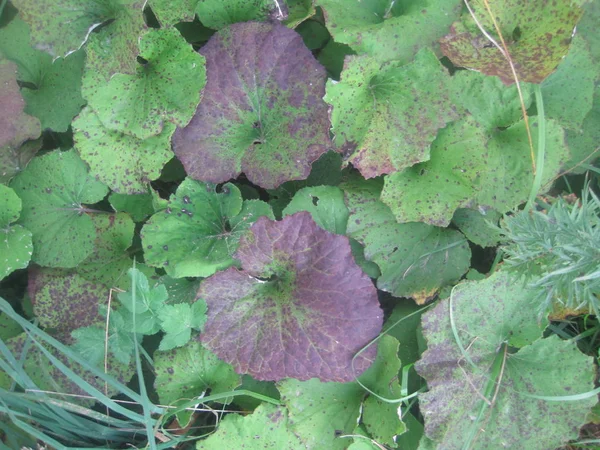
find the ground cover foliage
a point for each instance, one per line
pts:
(301, 224)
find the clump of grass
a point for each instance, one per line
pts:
(558, 252)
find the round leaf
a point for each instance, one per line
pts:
(288, 313)
(262, 111)
(54, 188)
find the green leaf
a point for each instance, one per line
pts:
(65, 301)
(298, 11)
(572, 85)
(583, 143)
(389, 30)
(15, 156)
(48, 19)
(89, 342)
(385, 116)
(181, 290)
(327, 170)
(165, 88)
(187, 372)
(537, 35)
(382, 419)
(415, 259)
(147, 305)
(320, 412)
(178, 321)
(469, 169)
(219, 14)
(110, 261)
(54, 189)
(267, 427)
(139, 206)
(53, 89)
(325, 204)
(121, 338)
(490, 102)
(199, 231)
(8, 328)
(126, 164)
(170, 12)
(15, 241)
(286, 313)
(479, 226)
(113, 48)
(485, 342)
(270, 122)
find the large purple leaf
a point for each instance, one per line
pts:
(300, 308)
(262, 111)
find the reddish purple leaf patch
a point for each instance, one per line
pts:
(300, 308)
(262, 111)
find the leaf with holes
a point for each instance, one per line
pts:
(15, 241)
(472, 168)
(492, 379)
(389, 30)
(385, 116)
(286, 314)
(415, 259)
(325, 204)
(165, 88)
(537, 36)
(262, 112)
(126, 164)
(54, 189)
(198, 233)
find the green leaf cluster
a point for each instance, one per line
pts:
(347, 221)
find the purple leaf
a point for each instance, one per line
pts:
(262, 111)
(300, 307)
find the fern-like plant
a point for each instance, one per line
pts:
(558, 252)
